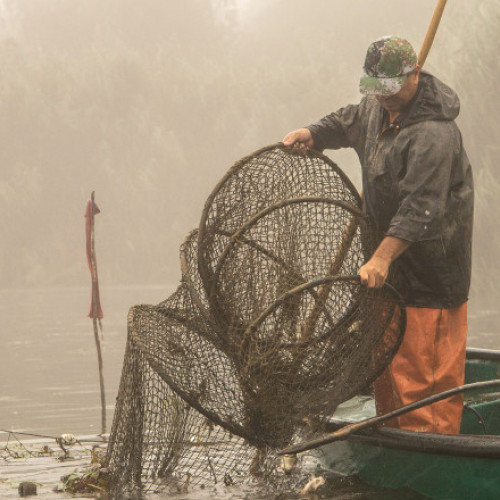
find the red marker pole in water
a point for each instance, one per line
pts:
(95, 305)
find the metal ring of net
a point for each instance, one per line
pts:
(268, 329)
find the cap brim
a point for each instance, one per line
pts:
(370, 85)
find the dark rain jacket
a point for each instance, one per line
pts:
(417, 185)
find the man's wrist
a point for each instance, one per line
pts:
(391, 248)
(382, 258)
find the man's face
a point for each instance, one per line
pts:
(397, 102)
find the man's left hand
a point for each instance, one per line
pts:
(374, 273)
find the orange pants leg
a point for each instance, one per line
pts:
(431, 359)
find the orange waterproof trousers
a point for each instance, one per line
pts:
(431, 359)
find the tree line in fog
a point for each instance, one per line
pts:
(149, 103)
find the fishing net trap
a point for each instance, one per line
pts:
(268, 330)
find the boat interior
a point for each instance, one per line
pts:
(480, 429)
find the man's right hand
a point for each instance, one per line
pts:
(299, 139)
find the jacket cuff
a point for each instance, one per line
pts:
(413, 231)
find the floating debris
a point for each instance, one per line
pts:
(288, 462)
(66, 441)
(93, 480)
(313, 484)
(98, 455)
(35, 467)
(27, 489)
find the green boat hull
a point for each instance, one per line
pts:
(440, 467)
(434, 476)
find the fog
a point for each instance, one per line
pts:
(149, 103)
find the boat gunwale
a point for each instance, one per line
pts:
(474, 353)
(464, 445)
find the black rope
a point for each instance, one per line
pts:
(55, 438)
(480, 418)
(28, 434)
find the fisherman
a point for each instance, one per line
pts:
(417, 185)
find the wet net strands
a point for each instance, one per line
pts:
(268, 329)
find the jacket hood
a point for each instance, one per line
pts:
(434, 101)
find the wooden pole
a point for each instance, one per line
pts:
(431, 32)
(95, 312)
(309, 326)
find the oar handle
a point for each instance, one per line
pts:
(431, 32)
(370, 422)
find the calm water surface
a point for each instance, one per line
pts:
(49, 379)
(49, 382)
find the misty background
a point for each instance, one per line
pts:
(149, 103)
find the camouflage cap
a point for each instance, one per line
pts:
(388, 61)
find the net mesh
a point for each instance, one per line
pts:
(268, 329)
